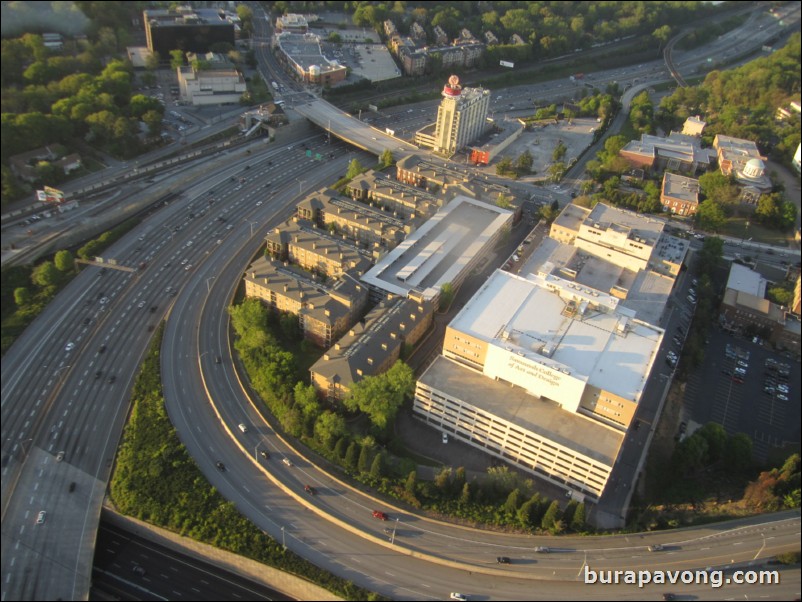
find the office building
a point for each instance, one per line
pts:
(461, 118)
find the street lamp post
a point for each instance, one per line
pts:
(283, 540)
(300, 186)
(395, 526)
(245, 219)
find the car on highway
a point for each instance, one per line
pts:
(286, 461)
(656, 547)
(111, 379)
(444, 438)
(98, 374)
(40, 518)
(69, 346)
(243, 428)
(458, 596)
(503, 560)
(141, 304)
(188, 267)
(380, 515)
(264, 454)
(60, 456)
(101, 349)
(220, 466)
(310, 490)
(542, 549)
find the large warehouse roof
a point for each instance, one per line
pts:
(440, 249)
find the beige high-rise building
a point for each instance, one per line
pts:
(461, 118)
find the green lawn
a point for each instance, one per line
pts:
(736, 227)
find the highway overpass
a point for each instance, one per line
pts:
(352, 130)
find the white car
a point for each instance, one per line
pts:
(141, 304)
(445, 438)
(69, 347)
(458, 596)
(40, 518)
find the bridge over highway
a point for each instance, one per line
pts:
(352, 130)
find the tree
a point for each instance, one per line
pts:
(551, 516)
(364, 458)
(524, 162)
(710, 216)
(465, 494)
(386, 159)
(504, 166)
(661, 35)
(340, 447)
(176, 59)
(377, 467)
(527, 513)
(559, 151)
(513, 501)
(329, 427)
(22, 296)
(718, 187)
(504, 201)
(739, 452)
(306, 400)
(45, 274)
(335, 38)
(351, 456)
(578, 521)
(64, 261)
(716, 438)
(557, 171)
(780, 295)
(354, 169)
(411, 483)
(381, 396)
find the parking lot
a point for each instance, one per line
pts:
(747, 388)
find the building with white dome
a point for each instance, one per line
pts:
(742, 159)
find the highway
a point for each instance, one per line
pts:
(66, 381)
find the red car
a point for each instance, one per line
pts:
(379, 514)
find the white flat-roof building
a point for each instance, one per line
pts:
(546, 338)
(443, 250)
(625, 238)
